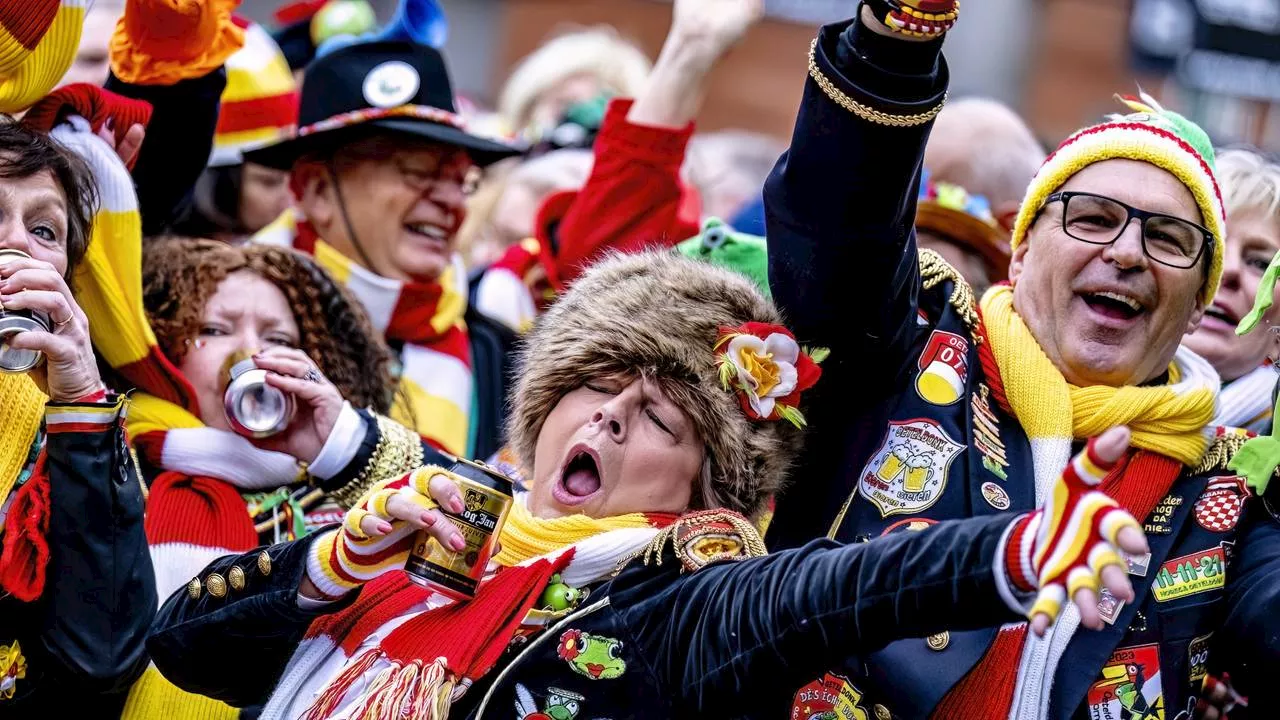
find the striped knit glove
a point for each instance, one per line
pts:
(380, 529)
(1063, 547)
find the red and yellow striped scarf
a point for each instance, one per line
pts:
(424, 318)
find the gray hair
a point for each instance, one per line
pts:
(1249, 181)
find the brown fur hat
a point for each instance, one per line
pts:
(658, 314)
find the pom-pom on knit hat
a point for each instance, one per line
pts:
(260, 102)
(1151, 134)
(661, 315)
(38, 42)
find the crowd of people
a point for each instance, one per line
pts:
(907, 418)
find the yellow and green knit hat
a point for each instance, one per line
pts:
(38, 42)
(1150, 134)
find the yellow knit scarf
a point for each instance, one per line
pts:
(21, 410)
(525, 537)
(1166, 419)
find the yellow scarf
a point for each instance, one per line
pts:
(525, 537)
(21, 411)
(1166, 419)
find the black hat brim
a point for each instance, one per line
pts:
(283, 155)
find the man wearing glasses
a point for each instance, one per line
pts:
(936, 404)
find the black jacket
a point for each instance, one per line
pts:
(844, 267)
(729, 640)
(83, 640)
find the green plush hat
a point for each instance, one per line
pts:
(721, 245)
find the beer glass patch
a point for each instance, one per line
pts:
(908, 472)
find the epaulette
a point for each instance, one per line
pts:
(935, 270)
(1225, 444)
(704, 537)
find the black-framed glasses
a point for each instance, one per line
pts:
(1100, 220)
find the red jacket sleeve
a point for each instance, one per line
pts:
(633, 199)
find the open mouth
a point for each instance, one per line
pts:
(1220, 313)
(433, 234)
(1113, 305)
(579, 478)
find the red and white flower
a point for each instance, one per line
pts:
(768, 369)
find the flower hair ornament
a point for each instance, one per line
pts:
(767, 369)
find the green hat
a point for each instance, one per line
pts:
(721, 245)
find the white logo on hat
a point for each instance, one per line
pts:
(390, 84)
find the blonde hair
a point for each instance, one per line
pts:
(598, 51)
(1249, 181)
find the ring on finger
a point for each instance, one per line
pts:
(62, 323)
(312, 376)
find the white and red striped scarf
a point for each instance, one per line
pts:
(426, 318)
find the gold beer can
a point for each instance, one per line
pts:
(486, 500)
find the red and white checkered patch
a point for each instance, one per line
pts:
(1218, 509)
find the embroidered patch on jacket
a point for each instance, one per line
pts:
(559, 705)
(1158, 522)
(944, 368)
(831, 697)
(1218, 509)
(908, 473)
(1129, 686)
(13, 667)
(986, 433)
(593, 656)
(1190, 574)
(1198, 658)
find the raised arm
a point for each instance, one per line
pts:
(841, 203)
(635, 197)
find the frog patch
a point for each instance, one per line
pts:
(592, 656)
(560, 704)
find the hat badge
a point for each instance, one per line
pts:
(391, 84)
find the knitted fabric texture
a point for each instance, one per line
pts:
(160, 42)
(94, 104)
(38, 42)
(260, 102)
(435, 383)
(21, 412)
(1150, 134)
(155, 698)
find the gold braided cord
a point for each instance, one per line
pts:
(865, 112)
(399, 451)
(935, 270)
(1220, 451)
(752, 544)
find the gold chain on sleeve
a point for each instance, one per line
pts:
(934, 270)
(866, 113)
(399, 451)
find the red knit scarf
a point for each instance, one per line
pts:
(26, 552)
(435, 651)
(1137, 483)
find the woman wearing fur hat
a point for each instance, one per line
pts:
(657, 409)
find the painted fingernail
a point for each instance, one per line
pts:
(456, 542)
(383, 527)
(427, 519)
(455, 505)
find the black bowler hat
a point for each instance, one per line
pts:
(391, 85)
